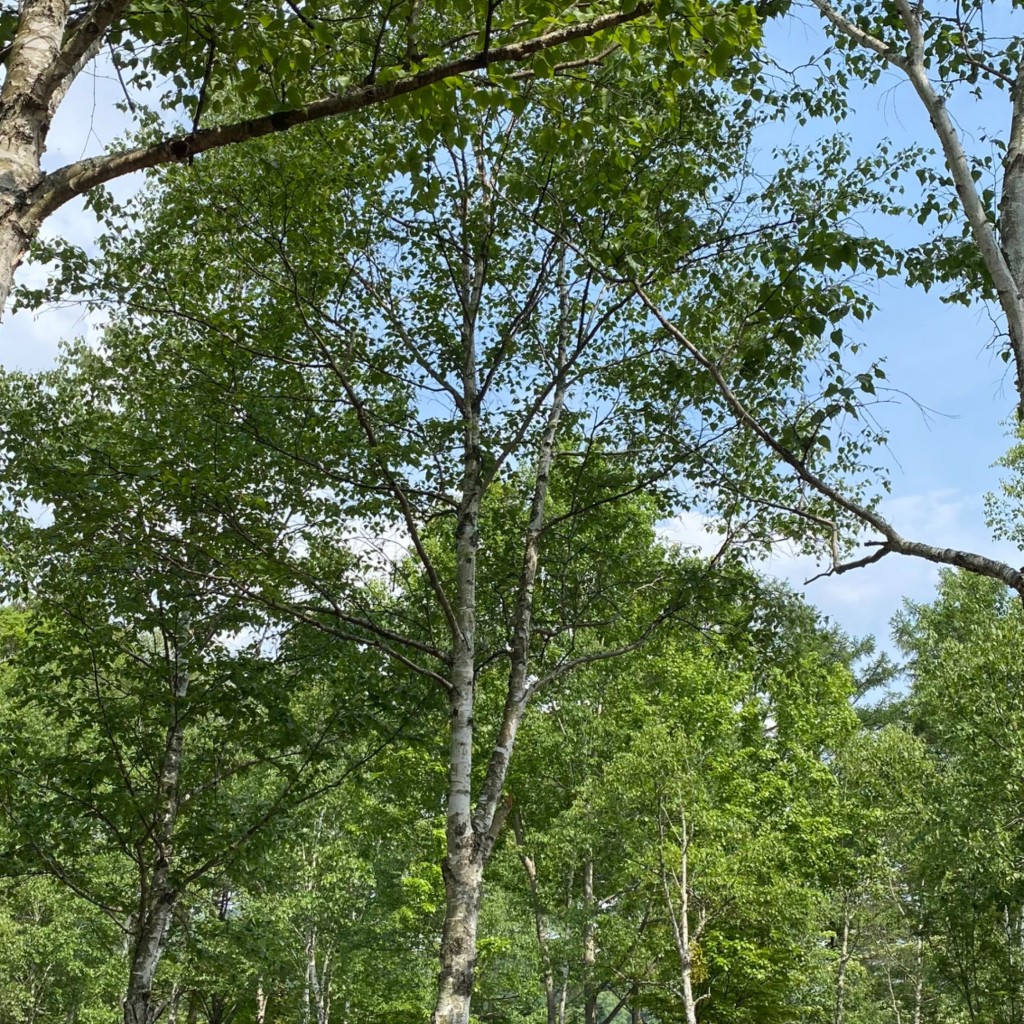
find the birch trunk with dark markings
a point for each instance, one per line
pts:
(157, 895)
(473, 825)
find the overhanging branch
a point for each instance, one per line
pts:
(63, 185)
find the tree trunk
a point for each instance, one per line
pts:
(24, 122)
(261, 1003)
(463, 879)
(539, 923)
(589, 945)
(689, 1003)
(45, 57)
(463, 865)
(919, 981)
(157, 896)
(844, 959)
(472, 829)
(317, 984)
(138, 1003)
(679, 913)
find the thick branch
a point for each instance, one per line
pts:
(63, 185)
(82, 44)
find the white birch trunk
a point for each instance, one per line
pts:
(261, 1003)
(679, 910)
(157, 897)
(462, 868)
(686, 950)
(24, 123)
(472, 827)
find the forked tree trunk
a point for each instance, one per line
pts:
(675, 883)
(472, 826)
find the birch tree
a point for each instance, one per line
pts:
(134, 661)
(421, 401)
(976, 201)
(943, 53)
(444, 386)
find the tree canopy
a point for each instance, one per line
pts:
(347, 673)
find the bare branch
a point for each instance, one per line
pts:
(839, 569)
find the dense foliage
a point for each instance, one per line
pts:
(345, 672)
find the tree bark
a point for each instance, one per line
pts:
(462, 868)
(261, 1003)
(472, 827)
(679, 908)
(589, 944)
(157, 895)
(539, 923)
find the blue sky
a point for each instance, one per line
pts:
(940, 465)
